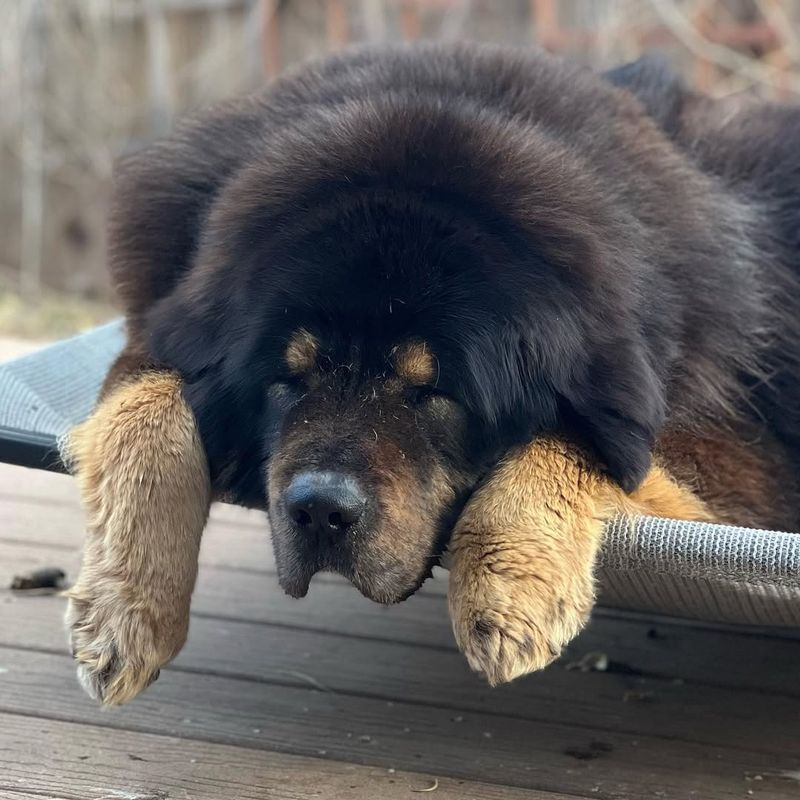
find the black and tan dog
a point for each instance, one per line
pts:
(453, 296)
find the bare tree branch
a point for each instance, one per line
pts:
(754, 71)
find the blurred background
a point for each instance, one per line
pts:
(82, 81)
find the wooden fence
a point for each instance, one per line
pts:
(81, 80)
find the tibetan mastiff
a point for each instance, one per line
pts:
(437, 298)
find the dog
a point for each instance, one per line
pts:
(440, 298)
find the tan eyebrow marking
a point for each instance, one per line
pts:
(301, 352)
(415, 363)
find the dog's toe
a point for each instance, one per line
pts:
(509, 622)
(119, 646)
(503, 650)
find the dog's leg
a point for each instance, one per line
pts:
(144, 483)
(523, 552)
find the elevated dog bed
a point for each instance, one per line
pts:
(706, 572)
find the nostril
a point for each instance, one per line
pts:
(302, 518)
(336, 521)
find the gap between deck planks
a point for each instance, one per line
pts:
(81, 762)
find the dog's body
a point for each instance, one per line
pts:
(403, 272)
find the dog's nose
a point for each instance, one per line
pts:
(327, 503)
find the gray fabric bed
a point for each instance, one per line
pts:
(706, 572)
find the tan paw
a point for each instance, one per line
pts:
(513, 613)
(522, 559)
(121, 640)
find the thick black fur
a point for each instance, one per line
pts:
(605, 257)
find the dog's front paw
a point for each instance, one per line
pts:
(513, 609)
(143, 478)
(522, 559)
(121, 639)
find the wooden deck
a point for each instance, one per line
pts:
(334, 697)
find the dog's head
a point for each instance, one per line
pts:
(385, 298)
(369, 463)
(365, 394)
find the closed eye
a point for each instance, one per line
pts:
(283, 394)
(423, 395)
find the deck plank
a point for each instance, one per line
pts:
(82, 762)
(495, 749)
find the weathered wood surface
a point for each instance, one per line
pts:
(623, 704)
(539, 754)
(322, 697)
(136, 766)
(700, 654)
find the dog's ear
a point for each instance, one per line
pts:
(163, 194)
(611, 396)
(618, 402)
(662, 92)
(209, 341)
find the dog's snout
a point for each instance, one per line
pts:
(324, 503)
